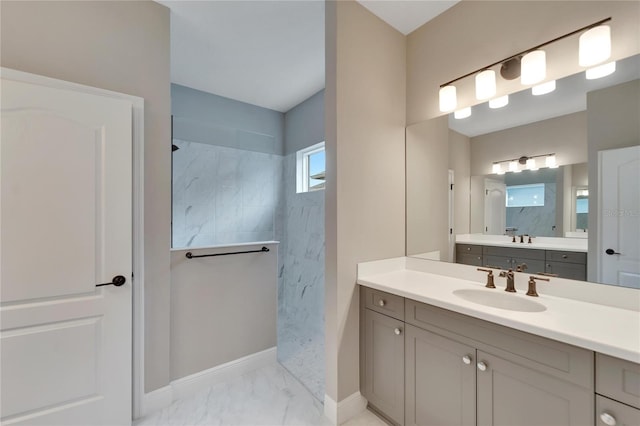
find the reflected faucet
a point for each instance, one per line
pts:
(511, 285)
(522, 267)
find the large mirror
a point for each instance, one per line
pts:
(555, 153)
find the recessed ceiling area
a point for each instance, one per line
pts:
(263, 52)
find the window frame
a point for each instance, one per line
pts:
(302, 167)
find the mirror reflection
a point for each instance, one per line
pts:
(504, 193)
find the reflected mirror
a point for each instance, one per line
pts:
(527, 175)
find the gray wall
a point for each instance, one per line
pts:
(124, 47)
(612, 122)
(203, 117)
(222, 308)
(304, 124)
(301, 285)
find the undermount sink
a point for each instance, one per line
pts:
(499, 300)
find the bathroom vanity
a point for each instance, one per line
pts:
(436, 349)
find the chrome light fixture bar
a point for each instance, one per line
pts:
(448, 98)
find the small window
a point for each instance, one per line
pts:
(525, 195)
(310, 168)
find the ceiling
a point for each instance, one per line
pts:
(263, 52)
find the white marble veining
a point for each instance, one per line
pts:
(301, 284)
(224, 195)
(589, 324)
(542, 243)
(267, 396)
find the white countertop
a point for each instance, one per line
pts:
(606, 329)
(541, 243)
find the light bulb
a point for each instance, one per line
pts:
(448, 99)
(513, 166)
(485, 85)
(550, 161)
(544, 88)
(594, 46)
(531, 164)
(499, 102)
(533, 67)
(497, 168)
(601, 71)
(462, 113)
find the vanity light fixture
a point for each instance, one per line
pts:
(534, 67)
(485, 85)
(544, 88)
(499, 102)
(595, 46)
(448, 99)
(529, 162)
(600, 71)
(462, 113)
(530, 64)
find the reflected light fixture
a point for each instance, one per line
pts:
(462, 113)
(499, 102)
(485, 85)
(594, 46)
(534, 67)
(601, 71)
(550, 161)
(544, 88)
(448, 99)
(528, 162)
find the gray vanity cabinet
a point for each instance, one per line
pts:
(440, 380)
(510, 258)
(383, 359)
(511, 394)
(571, 265)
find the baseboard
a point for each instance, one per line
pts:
(156, 400)
(185, 386)
(345, 410)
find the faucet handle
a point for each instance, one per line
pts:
(490, 283)
(547, 274)
(532, 285)
(522, 267)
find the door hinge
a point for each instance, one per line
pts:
(451, 187)
(450, 231)
(486, 229)
(486, 192)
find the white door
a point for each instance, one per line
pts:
(619, 216)
(65, 216)
(495, 211)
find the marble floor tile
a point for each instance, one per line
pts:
(302, 354)
(268, 396)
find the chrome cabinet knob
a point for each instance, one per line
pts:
(466, 359)
(608, 419)
(482, 366)
(397, 331)
(382, 302)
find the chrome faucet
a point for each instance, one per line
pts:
(511, 284)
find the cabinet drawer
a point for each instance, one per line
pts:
(533, 265)
(385, 303)
(468, 248)
(566, 256)
(608, 410)
(572, 271)
(469, 259)
(560, 360)
(517, 253)
(618, 379)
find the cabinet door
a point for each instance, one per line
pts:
(572, 271)
(510, 394)
(469, 259)
(440, 380)
(384, 364)
(498, 261)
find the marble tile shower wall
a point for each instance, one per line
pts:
(536, 221)
(224, 195)
(301, 284)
